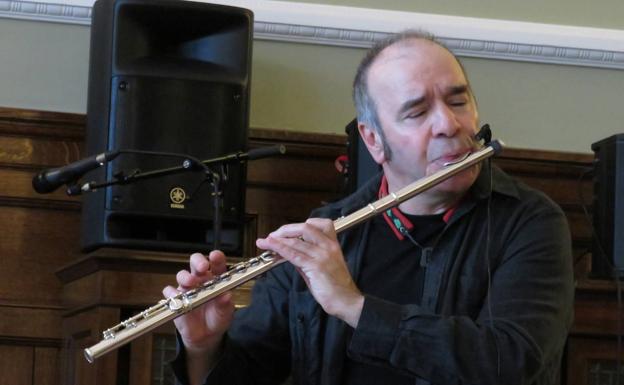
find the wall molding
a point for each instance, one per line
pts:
(361, 27)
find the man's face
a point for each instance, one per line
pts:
(426, 112)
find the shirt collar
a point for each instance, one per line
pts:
(395, 218)
(501, 184)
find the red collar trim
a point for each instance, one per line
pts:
(396, 219)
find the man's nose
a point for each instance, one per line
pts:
(446, 123)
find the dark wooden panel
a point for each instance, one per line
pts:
(47, 366)
(596, 308)
(30, 324)
(34, 244)
(16, 365)
(80, 331)
(41, 124)
(30, 153)
(292, 205)
(19, 192)
(587, 355)
(141, 361)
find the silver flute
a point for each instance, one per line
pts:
(173, 307)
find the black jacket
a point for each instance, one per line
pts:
(458, 335)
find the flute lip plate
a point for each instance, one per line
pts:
(460, 159)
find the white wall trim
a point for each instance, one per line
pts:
(361, 27)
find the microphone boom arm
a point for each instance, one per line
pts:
(189, 164)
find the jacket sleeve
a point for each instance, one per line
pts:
(518, 335)
(256, 349)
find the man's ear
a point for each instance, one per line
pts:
(373, 142)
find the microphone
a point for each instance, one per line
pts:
(257, 153)
(264, 152)
(49, 180)
(485, 134)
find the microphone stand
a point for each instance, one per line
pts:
(217, 200)
(190, 163)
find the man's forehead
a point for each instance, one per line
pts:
(414, 49)
(419, 55)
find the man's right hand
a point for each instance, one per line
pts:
(203, 328)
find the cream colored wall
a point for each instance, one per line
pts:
(43, 65)
(306, 87)
(549, 107)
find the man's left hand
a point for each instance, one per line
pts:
(312, 247)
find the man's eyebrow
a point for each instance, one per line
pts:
(458, 89)
(410, 103)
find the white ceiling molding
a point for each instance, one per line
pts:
(361, 27)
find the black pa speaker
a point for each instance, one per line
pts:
(608, 207)
(168, 76)
(361, 165)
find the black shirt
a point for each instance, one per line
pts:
(393, 270)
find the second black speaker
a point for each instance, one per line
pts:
(608, 208)
(166, 76)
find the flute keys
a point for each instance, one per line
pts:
(179, 303)
(128, 324)
(108, 334)
(267, 256)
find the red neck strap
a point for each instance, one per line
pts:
(396, 219)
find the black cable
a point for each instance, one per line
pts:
(619, 333)
(579, 190)
(579, 257)
(588, 217)
(196, 162)
(488, 241)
